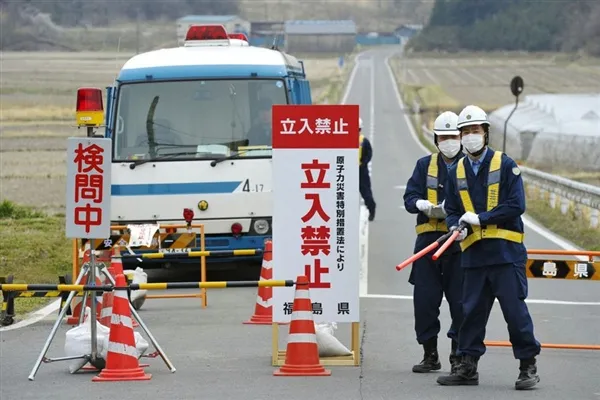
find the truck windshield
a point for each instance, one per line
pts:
(200, 119)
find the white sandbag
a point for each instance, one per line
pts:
(329, 345)
(139, 276)
(78, 341)
(141, 345)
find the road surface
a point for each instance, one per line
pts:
(216, 356)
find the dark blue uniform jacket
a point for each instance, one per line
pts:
(367, 153)
(416, 189)
(507, 215)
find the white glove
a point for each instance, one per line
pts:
(469, 218)
(462, 235)
(424, 206)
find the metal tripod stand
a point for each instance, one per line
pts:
(89, 270)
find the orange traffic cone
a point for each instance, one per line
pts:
(106, 313)
(302, 353)
(116, 268)
(122, 356)
(263, 310)
(116, 264)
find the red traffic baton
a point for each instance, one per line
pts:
(431, 247)
(415, 257)
(448, 242)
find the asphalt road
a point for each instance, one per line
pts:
(216, 356)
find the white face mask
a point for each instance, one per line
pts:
(473, 142)
(450, 147)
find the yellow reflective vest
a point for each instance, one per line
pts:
(490, 231)
(433, 225)
(360, 142)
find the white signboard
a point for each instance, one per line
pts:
(88, 188)
(316, 209)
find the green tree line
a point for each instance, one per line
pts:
(487, 25)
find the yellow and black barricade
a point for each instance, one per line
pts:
(44, 287)
(7, 315)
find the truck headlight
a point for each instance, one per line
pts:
(261, 226)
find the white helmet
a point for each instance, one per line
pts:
(445, 124)
(360, 123)
(472, 115)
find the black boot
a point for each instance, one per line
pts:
(466, 373)
(431, 359)
(454, 359)
(528, 376)
(372, 214)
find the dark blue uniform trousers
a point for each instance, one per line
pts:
(432, 280)
(364, 186)
(481, 286)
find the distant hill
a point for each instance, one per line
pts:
(99, 24)
(487, 25)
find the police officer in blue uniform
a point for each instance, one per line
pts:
(365, 153)
(432, 279)
(485, 191)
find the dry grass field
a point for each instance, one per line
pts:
(37, 106)
(453, 82)
(450, 82)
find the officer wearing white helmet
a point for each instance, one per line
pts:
(365, 153)
(424, 196)
(485, 191)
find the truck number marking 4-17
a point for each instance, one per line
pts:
(255, 188)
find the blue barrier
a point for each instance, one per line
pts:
(363, 40)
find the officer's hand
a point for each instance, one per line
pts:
(462, 235)
(469, 218)
(424, 206)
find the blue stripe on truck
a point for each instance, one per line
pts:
(157, 189)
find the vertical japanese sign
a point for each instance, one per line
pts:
(316, 208)
(88, 188)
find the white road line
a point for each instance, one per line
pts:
(364, 223)
(401, 187)
(528, 222)
(34, 317)
(364, 262)
(529, 301)
(350, 80)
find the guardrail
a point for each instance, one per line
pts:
(582, 198)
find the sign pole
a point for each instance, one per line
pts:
(93, 311)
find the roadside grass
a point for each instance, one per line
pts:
(331, 89)
(33, 248)
(569, 226)
(429, 96)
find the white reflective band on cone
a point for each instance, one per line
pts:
(117, 319)
(302, 294)
(302, 315)
(123, 349)
(122, 294)
(267, 264)
(263, 303)
(302, 338)
(106, 312)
